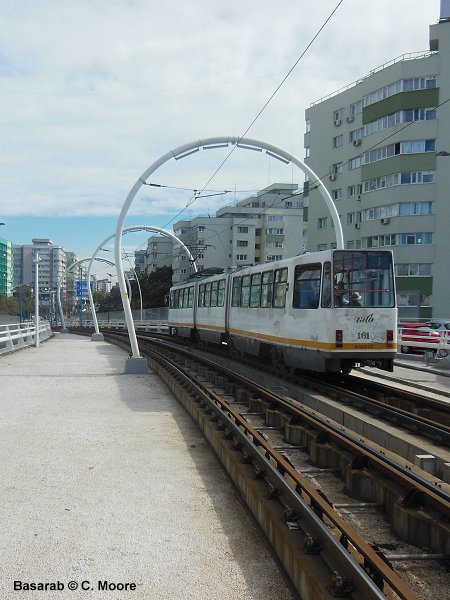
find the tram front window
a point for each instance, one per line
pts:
(363, 278)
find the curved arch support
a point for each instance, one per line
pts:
(97, 336)
(183, 152)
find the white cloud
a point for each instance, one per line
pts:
(92, 92)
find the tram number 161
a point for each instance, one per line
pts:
(363, 335)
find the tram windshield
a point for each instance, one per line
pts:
(363, 278)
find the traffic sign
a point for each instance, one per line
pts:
(82, 288)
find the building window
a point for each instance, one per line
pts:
(273, 257)
(336, 194)
(350, 218)
(242, 243)
(338, 141)
(201, 228)
(322, 223)
(415, 208)
(403, 85)
(242, 229)
(275, 231)
(321, 247)
(307, 125)
(241, 257)
(337, 168)
(275, 217)
(338, 115)
(407, 147)
(356, 108)
(379, 241)
(412, 269)
(405, 178)
(415, 238)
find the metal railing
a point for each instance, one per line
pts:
(429, 343)
(144, 325)
(14, 336)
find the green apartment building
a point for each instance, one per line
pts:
(6, 267)
(382, 148)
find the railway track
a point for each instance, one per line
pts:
(290, 451)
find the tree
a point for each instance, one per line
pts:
(8, 305)
(154, 286)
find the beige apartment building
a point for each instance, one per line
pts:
(382, 148)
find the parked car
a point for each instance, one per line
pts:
(416, 332)
(438, 325)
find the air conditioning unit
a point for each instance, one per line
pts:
(337, 122)
(332, 176)
(357, 225)
(357, 142)
(350, 119)
(385, 221)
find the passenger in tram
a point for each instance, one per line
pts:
(355, 299)
(340, 294)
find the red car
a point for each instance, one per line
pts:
(408, 333)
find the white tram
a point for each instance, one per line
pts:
(326, 311)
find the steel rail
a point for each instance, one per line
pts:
(277, 469)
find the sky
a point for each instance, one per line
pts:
(93, 92)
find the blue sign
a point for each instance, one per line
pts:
(82, 288)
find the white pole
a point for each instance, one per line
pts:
(36, 300)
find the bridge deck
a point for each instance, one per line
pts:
(106, 478)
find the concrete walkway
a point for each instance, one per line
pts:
(105, 478)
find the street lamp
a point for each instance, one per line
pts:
(36, 261)
(127, 256)
(136, 278)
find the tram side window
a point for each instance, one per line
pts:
(326, 285)
(307, 286)
(201, 293)
(214, 290)
(245, 290)
(255, 290)
(175, 298)
(236, 292)
(207, 298)
(267, 289)
(191, 297)
(279, 288)
(221, 293)
(172, 299)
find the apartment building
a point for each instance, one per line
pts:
(52, 269)
(6, 267)
(382, 148)
(266, 227)
(157, 254)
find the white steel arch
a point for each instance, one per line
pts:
(187, 150)
(58, 288)
(97, 336)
